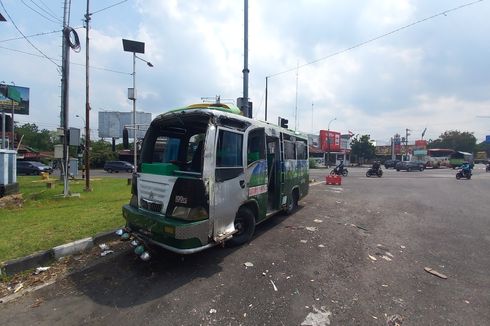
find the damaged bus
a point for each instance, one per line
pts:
(207, 175)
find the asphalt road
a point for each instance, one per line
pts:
(313, 267)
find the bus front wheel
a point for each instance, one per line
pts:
(245, 226)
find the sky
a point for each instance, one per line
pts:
(375, 67)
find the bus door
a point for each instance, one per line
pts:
(256, 171)
(229, 186)
(274, 173)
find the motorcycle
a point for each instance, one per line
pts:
(337, 172)
(463, 174)
(374, 172)
(487, 168)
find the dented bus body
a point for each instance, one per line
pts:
(207, 175)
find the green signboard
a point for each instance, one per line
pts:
(14, 98)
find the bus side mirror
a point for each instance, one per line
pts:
(125, 138)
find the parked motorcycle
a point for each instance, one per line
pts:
(374, 172)
(463, 174)
(337, 172)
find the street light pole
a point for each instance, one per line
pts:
(134, 112)
(328, 141)
(86, 153)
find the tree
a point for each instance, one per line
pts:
(362, 148)
(101, 151)
(453, 139)
(40, 140)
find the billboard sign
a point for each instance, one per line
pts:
(112, 123)
(329, 141)
(14, 97)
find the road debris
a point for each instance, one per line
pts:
(386, 258)
(321, 246)
(372, 258)
(18, 287)
(319, 317)
(212, 311)
(311, 228)
(394, 320)
(466, 301)
(359, 227)
(338, 202)
(106, 252)
(317, 220)
(303, 241)
(38, 302)
(434, 272)
(248, 264)
(119, 232)
(402, 246)
(275, 287)
(40, 270)
(103, 246)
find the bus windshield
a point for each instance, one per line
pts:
(175, 143)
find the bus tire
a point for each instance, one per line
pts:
(293, 205)
(245, 224)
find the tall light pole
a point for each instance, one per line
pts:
(328, 141)
(134, 47)
(86, 152)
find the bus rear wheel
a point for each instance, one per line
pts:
(245, 226)
(293, 205)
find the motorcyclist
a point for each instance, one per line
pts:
(466, 168)
(339, 168)
(376, 166)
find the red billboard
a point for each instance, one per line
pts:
(329, 141)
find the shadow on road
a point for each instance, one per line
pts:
(125, 280)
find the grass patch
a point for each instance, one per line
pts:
(47, 220)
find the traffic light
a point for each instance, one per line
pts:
(125, 138)
(282, 122)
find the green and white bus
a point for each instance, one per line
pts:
(207, 175)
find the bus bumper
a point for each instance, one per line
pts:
(177, 236)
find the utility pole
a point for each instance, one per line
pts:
(87, 101)
(407, 133)
(245, 63)
(65, 74)
(266, 89)
(296, 107)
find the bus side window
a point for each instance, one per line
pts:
(256, 146)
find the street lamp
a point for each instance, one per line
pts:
(134, 47)
(328, 141)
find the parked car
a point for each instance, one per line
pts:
(32, 167)
(391, 163)
(410, 166)
(116, 166)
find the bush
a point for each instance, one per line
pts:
(312, 163)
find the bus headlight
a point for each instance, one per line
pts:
(190, 214)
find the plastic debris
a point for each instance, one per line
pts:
(41, 269)
(338, 202)
(103, 246)
(395, 320)
(248, 264)
(139, 250)
(18, 287)
(372, 258)
(212, 311)
(275, 287)
(120, 232)
(106, 252)
(317, 221)
(434, 272)
(135, 243)
(466, 301)
(319, 317)
(321, 246)
(303, 241)
(402, 246)
(386, 258)
(384, 285)
(311, 228)
(125, 236)
(145, 256)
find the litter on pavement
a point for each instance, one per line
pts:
(434, 272)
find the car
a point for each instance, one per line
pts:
(32, 167)
(390, 163)
(410, 166)
(116, 166)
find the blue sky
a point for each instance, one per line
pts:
(432, 75)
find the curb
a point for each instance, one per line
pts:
(43, 258)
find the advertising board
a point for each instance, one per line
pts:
(14, 97)
(330, 140)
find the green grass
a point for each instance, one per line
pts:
(47, 220)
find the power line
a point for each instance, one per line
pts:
(443, 13)
(47, 7)
(108, 7)
(38, 34)
(73, 63)
(40, 14)
(15, 25)
(49, 12)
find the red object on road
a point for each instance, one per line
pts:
(333, 180)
